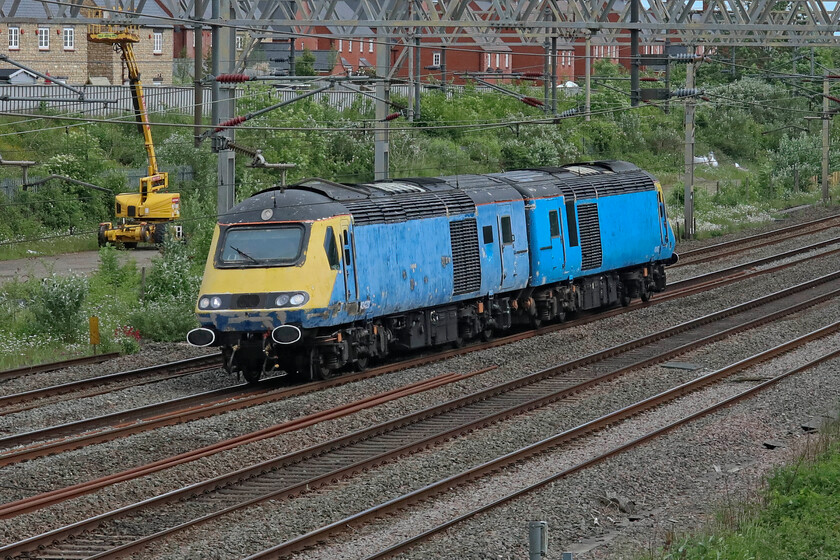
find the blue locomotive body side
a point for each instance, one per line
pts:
(421, 262)
(402, 265)
(409, 265)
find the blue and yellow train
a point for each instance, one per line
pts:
(317, 277)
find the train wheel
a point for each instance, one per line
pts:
(487, 334)
(251, 375)
(644, 293)
(317, 370)
(361, 364)
(623, 296)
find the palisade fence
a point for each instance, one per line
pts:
(30, 99)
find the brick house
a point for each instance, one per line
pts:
(62, 50)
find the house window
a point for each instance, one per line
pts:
(158, 43)
(507, 60)
(43, 38)
(340, 45)
(497, 60)
(370, 45)
(240, 41)
(488, 61)
(436, 59)
(350, 45)
(14, 38)
(69, 38)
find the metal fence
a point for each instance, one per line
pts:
(58, 100)
(161, 99)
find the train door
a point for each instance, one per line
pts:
(507, 256)
(663, 219)
(348, 263)
(555, 230)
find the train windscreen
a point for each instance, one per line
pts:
(262, 246)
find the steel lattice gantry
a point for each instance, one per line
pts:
(713, 22)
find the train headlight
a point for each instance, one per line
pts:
(215, 302)
(297, 299)
(281, 300)
(204, 303)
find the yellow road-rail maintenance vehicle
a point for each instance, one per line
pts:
(145, 216)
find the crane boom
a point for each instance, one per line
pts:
(154, 208)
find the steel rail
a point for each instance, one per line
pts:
(177, 368)
(76, 490)
(757, 236)
(201, 406)
(776, 239)
(53, 366)
(320, 450)
(430, 491)
(48, 498)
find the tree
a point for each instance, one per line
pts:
(305, 64)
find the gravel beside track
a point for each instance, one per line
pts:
(255, 528)
(643, 475)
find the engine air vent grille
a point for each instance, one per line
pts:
(466, 264)
(409, 206)
(607, 184)
(590, 236)
(457, 202)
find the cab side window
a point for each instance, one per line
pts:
(331, 247)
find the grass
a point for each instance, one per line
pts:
(797, 515)
(47, 247)
(724, 204)
(20, 351)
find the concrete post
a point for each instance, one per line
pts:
(383, 92)
(689, 152)
(826, 124)
(588, 79)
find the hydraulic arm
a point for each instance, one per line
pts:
(147, 214)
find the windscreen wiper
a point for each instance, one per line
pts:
(244, 254)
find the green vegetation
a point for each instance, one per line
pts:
(48, 319)
(754, 122)
(797, 518)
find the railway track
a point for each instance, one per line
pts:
(736, 246)
(321, 465)
(580, 435)
(73, 435)
(54, 366)
(99, 385)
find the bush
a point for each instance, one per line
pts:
(165, 320)
(57, 306)
(173, 276)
